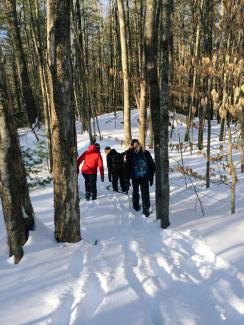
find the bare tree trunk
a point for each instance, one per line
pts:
(17, 207)
(232, 170)
(66, 195)
(201, 116)
(142, 112)
(165, 46)
(36, 36)
(125, 69)
(207, 45)
(222, 133)
(150, 39)
(87, 106)
(209, 109)
(159, 106)
(18, 97)
(191, 115)
(21, 61)
(150, 132)
(242, 139)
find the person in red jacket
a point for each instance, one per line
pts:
(92, 161)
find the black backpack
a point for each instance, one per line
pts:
(117, 161)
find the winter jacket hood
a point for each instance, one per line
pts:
(92, 161)
(92, 148)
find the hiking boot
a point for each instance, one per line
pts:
(146, 212)
(136, 208)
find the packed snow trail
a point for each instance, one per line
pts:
(139, 274)
(136, 273)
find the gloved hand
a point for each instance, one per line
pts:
(151, 182)
(102, 178)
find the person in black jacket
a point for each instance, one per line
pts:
(115, 164)
(140, 169)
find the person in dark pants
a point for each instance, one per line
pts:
(115, 164)
(140, 168)
(92, 161)
(90, 186)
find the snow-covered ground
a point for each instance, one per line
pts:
(190, 273)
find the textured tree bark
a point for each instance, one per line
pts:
(159, 106)
(197, 46)
(150, 132)
(242, 139)
(150, 39)
(66, 196)
(232, 170)
(38, 45)
(222, 133)
(207, 47)
(165, 45)
(17, 83)
(142, 112)
(125, 69)
(17, 207)
(21, 61)
(201, 124)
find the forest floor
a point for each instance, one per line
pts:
(126, 269)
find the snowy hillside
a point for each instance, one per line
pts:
(189, 274)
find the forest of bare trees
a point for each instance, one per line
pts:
(62, 61)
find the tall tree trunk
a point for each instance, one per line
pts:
(232, 170)
(14, 31)
(196, 54)
(141, 92)
(242, 138)
(207, 46)
(165, 46)
(159, 109)
(125, 69)
(209, 110)
(83, 67)
(36, 36)
(16, 81)
(17, 207)
(150, 39)
(201, 117)
(224, 89)
(142, 112)
(66, 195)
(150, 132)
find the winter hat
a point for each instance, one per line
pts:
(134, 141)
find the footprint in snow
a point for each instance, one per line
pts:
(76, 263)
(93, 295)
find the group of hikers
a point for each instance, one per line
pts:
(134, 166)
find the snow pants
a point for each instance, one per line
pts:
(90, 186)
(143, 184)
(118, 176)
